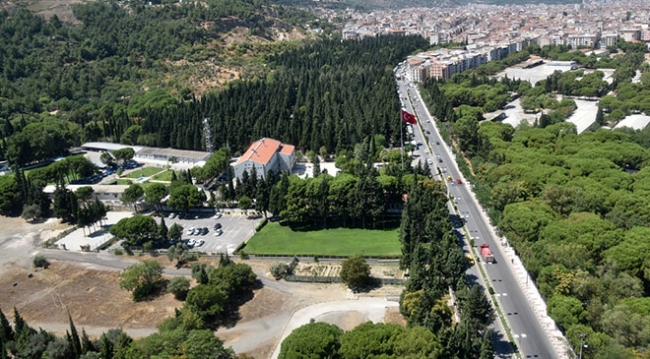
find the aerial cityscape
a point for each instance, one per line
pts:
(324, 179)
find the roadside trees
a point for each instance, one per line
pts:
(142, 279)
(355, 272)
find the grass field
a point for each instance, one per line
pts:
(124, 181)
(277, 239)
(165, 176)
(144, 172)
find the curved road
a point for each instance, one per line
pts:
(373, 308)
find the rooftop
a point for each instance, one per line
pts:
(261, 151)
(172, 152)
(108, 146)
(637, 122)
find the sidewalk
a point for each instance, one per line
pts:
(527, 285)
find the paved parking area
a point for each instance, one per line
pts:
(94, 237)
(236, 228)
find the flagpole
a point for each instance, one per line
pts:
(401, 136)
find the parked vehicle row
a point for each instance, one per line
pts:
(198, 231)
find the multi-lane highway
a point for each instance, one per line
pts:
(530, 337)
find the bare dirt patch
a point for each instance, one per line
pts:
(346, 320)
(393, 316)
(92, 297)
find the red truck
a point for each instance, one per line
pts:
(488, 257)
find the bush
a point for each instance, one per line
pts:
(179, 286)
(41, 262)
(355, 272)
(279, 270)
(118, 252)
(261, 225)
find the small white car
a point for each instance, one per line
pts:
(190, 230)
(191, 242)
(218, 232)
(199, 242)
(218, 215)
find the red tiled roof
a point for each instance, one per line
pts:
(287, 149)
(261, 151)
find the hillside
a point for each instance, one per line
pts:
(85, 55)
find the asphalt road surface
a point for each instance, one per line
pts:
(530, 337)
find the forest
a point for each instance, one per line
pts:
(117, 60)
(324, 93)
(573, 206)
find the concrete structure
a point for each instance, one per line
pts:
(264, 155)
(630, 34)
(636, 122)
(582, 40)
(107, 194)
(152, 153)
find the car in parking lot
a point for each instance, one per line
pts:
(199, 243)
(191, 242)
(440, 160)
(218, 215)
(204, 231)
(173, 215)
(218, 232)
(217, 225)
(190, 230)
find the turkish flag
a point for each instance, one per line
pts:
(408, 118)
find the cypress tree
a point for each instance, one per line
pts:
(6, 332)
(74, 336)
(86, 344)
(106, 351)
(3, 350)
(19, 323)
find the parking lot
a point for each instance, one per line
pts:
(236, 228)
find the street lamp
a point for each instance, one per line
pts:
(582, 344)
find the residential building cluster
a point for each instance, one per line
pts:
(492, 32)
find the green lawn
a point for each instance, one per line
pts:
(144, 172)
(276, 239)
(124, 181)
(165, 176)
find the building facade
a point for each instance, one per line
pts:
(265, 155)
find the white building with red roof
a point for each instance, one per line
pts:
(264, 155)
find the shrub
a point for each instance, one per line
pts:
(261, 225)
(41, 262)
(355, 272)
(179, 286)
(279, 270)
(118, 251)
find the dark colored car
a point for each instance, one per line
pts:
(217, 225)
(204, 231)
